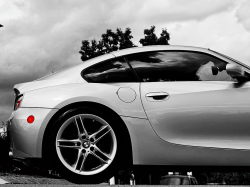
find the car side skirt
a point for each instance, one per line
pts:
(150, 149)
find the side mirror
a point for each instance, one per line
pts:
(235, 71)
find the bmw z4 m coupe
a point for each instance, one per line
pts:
(157, 105)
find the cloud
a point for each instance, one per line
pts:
(5, 112)
(141, 14)
(172, 10)
(243, 14)
(222, 32)
(6, 104)
(6, 97)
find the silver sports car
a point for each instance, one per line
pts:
(157, 105)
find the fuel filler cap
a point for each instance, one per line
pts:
(126, 94)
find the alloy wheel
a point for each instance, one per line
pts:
(86, 144)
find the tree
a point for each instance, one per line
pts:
(125, 38)
(92, 50)
(113, 41)
(165, 37)
(110, 41)
(151, 39)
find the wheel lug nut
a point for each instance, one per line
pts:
(83, 137)
(91, 148)
(83, 151)
(91, 139)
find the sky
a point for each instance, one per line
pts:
(41, 36)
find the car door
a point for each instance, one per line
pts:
(190, 99)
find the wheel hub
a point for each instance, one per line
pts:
(86, 144)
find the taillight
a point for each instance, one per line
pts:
(18, 101)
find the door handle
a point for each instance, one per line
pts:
(157, 96)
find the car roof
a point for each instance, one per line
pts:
(73, 73)
(157, 48)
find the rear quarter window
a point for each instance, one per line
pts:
(110, 71)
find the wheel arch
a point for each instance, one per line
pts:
(127, 149)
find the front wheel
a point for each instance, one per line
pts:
(85, 146)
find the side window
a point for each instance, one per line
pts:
(178, 66)
(110, 71)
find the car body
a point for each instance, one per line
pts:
(178, 180)
(157, 105)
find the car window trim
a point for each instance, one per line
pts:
(132, 69)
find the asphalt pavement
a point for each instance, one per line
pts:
(25, 179)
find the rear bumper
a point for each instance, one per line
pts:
(26, 138)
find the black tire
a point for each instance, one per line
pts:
(96, 158)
